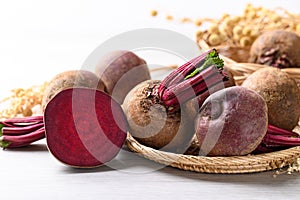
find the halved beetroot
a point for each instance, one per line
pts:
(85, 128)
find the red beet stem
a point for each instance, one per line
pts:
(9, 141)
(262, 148)
(218, 86)
(267, 148)
(281, 140)
(277, 138)
(185, 83)
(4, 124)
(182, 72)
(23, 120)
(279, 131)
(200, 85)
(17, 130)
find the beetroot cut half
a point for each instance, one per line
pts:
(85, 128)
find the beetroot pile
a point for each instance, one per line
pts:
(87, 116)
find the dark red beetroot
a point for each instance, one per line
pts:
(84, 127)
(232, 121)
(120, 71)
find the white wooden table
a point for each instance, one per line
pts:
(32, 173)
(38, 39)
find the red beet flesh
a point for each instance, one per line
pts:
(84, 127)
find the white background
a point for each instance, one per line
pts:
(39, 39)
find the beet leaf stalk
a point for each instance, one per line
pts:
(212, 58)
(276, 139)
(198, 77)
(20, 132)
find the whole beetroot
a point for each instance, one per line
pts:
(231, 122)
(120, 71)
(152, 124)
(69, 79)
(281, 94)
(277, 48)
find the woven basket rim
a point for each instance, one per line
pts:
(217, 165)
(224, 165)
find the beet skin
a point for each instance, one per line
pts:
(276, 48)
(120, 71)
(153, 124)
(69, 79)
(231, 122)
(281, 94)
(84, 127)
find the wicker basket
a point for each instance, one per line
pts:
(225, 165)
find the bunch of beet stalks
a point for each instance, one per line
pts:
(21, 132)
(277, 139)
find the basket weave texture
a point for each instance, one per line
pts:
(217, 165)
(232, 164)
